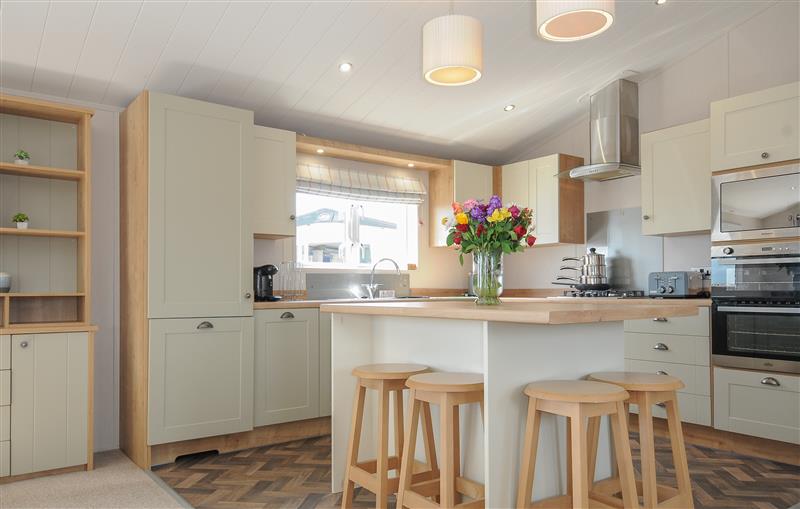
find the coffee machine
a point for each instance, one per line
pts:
(263, 283)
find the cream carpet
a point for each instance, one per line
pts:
(114, 483)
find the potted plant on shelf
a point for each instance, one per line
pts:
(21, 157)
(21, 219)
(487, 231)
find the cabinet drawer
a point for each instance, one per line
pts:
(5, 423)
(760, 404)
(697, 379)
(693, 409)
(5, 459)
(697, 325)
(667, 348)
(5, 387)
(5, 352)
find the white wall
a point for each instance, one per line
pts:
(437, 266)
(760, 53)
(105, 267)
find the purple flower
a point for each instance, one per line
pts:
(478, 212)
(494, 204)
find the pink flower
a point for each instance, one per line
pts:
(469, 204)
(514, 211)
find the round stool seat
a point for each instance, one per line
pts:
(389, 371)
(576, 391)
(633, 381)
(446, 382)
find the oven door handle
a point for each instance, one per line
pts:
(756, 309)
(757, 261)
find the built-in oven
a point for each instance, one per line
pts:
(755, 313)
(762, 203)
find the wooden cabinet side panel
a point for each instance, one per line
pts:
(440, 197)
(134, 341)
(571, 217)
(325, 367)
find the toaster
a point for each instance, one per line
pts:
(678, 284)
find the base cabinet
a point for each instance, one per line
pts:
(287, 365)
(764, 404)
(201, 378)
(49, 403)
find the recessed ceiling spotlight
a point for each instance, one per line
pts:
(320, 151)
(345, 67)
(410, 165)
(661, 2)
(509, 107)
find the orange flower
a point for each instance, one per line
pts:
(457, 209)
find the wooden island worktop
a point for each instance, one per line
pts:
(517, 342)
(531, 311)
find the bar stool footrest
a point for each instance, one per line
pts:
(611, 486)
(565, 502)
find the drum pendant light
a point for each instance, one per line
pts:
(452, 50)
(573, 20)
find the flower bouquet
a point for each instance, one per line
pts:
(488, 230)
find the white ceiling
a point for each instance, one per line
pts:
(281, 59)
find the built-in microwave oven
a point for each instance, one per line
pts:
(762, 203)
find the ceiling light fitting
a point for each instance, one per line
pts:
(573, 20)
(509, 107)
(345, 67)
(320, 151)
(452, 50)
(410, 165)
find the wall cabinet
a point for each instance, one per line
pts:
(200, 239)
(676, 180)
(757, 128)
(461, 182)
(201, 378)
(557, 203)
(287, 365)
(49, 403)
(760, 404)
(271, 182)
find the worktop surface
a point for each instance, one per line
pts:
(532, 311)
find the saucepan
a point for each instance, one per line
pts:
(588, 270)
(590, 258)
(591, 283)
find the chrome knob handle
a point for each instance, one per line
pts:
(205, 325)
(660, 346)
(287, 315)
(23, 344)
(247, 295)
(292, 217)
(645, 217)
(770, 381)
(764, 155)
(727, 250)
(660, 372)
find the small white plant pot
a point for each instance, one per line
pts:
(23, 162)
(22, 225)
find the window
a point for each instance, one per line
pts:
(353, 217)
(335, 231)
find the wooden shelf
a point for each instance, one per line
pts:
(23, 295)
(31, 170)
(45, 327)
(30, 232)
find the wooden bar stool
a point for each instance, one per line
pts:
(373, 475)
(449, 391)
(646, 390)
(576, 400)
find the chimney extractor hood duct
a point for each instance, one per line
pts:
(614, 134)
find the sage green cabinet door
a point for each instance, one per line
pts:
(200, 234)
(471, 181)
(287, 365)
(516, 183)
(201, 378)
(272, 182)
(546, 213)
(49, 401)
(325, 371)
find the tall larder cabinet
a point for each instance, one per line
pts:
(186, 363)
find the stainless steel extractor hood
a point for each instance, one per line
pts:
(614, 134)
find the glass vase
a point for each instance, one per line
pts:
(487, 276)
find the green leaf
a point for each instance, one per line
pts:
(461, 259)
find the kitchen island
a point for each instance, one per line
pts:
(517, 342)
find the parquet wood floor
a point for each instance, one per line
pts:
(297, 475)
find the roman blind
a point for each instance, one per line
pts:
(359, 184)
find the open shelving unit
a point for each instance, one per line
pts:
(64, 307)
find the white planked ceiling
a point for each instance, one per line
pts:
(280, 59)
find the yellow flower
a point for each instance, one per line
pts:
(462, 218)
(496, 216)
(444, 220)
